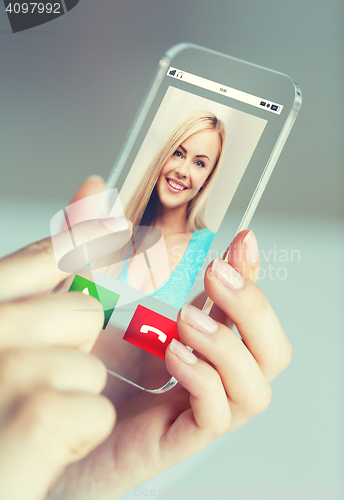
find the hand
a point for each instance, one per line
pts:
(51, 413)
(222, 385)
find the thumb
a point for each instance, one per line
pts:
(85, 202)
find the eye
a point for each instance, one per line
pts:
(178, 154)
(200, 163)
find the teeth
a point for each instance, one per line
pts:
(175, 186)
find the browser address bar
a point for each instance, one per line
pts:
(258, 102)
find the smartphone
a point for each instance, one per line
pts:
(190, 175)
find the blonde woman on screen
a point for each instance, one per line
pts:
(172, 197)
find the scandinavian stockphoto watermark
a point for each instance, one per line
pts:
(206, 492)
(274, 263)
(24, 15)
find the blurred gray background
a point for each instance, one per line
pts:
(69, 92)
(71, 88)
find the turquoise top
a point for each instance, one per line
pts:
(176, 288)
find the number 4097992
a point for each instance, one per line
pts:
(32, 7)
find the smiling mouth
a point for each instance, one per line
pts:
(179, 186)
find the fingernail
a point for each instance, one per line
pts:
(116, 224)
(198, 319)
(183, 353)
(95, 178)
(227, 275)
(250, 245)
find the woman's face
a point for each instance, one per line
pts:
(189, 167)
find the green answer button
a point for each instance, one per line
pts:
(107, 298)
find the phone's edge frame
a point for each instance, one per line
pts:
(258, 192)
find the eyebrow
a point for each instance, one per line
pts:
(197, 156)
(202, 156)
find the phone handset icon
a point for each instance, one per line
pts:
(161, 335)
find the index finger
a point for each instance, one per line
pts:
(34, 270)
(242, 254)
(256, 321)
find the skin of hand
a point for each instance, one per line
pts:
(222, 385)
(51, 413)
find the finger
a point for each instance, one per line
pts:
(62, 319)
(244, 382)
(34, 269)
(209, 415)
(84, 202)
(242, 254)
(45, 432)
(92, 185)
(252, 314)
(24, 370)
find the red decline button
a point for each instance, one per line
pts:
(151, 331)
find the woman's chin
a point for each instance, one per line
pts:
(173, 204)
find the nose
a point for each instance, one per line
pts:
(182, 170)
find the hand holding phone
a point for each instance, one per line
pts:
(225, 381)
(155, 432)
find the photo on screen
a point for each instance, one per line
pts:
(181, 183)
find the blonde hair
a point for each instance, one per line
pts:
(142, 205)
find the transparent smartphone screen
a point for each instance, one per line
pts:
(181, 183)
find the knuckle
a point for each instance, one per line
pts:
(280, 362)
(287, 355)
(100, 373)
(230, 342)
(42, 409)
(40, 247)
(89, 303)
(223, 424)
(87, 231)
(13, 367)
(261, 402)
(98, 309)
(86, 313)
(258, 302)
(220, 419)
(40, 414)
(93, 322)
(90, 372)
(7, 313)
